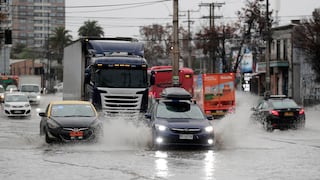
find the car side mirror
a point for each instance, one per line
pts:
(42, 114)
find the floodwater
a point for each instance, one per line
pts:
(244, 151)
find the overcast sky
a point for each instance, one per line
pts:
(124, 17)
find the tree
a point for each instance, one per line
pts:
(91, 29)
(58, 41)
(212, 41)
(254, 23)
(158, 42)
(306, 36)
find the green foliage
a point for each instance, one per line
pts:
(90, 29)
(60, 39)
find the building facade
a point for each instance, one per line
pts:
(31, 23)
(34, 20)
(290, 74)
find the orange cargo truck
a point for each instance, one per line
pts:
(215, 93)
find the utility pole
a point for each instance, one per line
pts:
(189, 40)
(268, 36)
(212, 17)
(175, 63)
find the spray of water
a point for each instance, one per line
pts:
(125, 132)
(232, 128)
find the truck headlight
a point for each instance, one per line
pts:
(160, 127)
(208, 129)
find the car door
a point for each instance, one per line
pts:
(260, 111)
(256, 111)
(264, 111)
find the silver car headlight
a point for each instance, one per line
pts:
(27, 105)
(208, 129)
(7, 105)
(52, 124)
(160, 127)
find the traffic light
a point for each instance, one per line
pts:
(7, 36)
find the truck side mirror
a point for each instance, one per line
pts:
(87, 75)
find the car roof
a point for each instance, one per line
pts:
(30, 84)
(70, 102)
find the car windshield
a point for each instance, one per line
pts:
(30, 88)
(284, 103)
(65, 110)
(16, 98)
(179, 110)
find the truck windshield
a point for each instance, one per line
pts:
(122, 78)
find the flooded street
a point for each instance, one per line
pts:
(244, 151)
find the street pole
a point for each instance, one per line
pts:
(175, 60)
(268, 36)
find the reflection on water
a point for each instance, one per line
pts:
(161, 164)
(209, 164)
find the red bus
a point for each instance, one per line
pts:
(162, 78)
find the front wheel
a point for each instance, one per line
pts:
(267, 126)
(47, 138)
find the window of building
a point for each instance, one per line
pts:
(278, 49)
(285, 51)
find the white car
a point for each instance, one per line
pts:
(16, 104)
(58, 87)
(33, 91)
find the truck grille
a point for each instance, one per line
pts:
(126, 103)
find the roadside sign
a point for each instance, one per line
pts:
(175, 80)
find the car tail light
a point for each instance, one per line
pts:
(301, 111)
(274, 112)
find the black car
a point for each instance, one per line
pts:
(66, 121)
(175, 120)
(279, 112)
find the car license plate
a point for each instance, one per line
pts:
(76, 133)
(288, 114)
(218, 112)
(185, 136)
(17, 111)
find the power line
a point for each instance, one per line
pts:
(124, 4)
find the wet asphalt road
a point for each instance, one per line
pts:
(244, 151)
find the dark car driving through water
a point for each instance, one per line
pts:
(176, 120)
(279, 112)
(65, 121)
